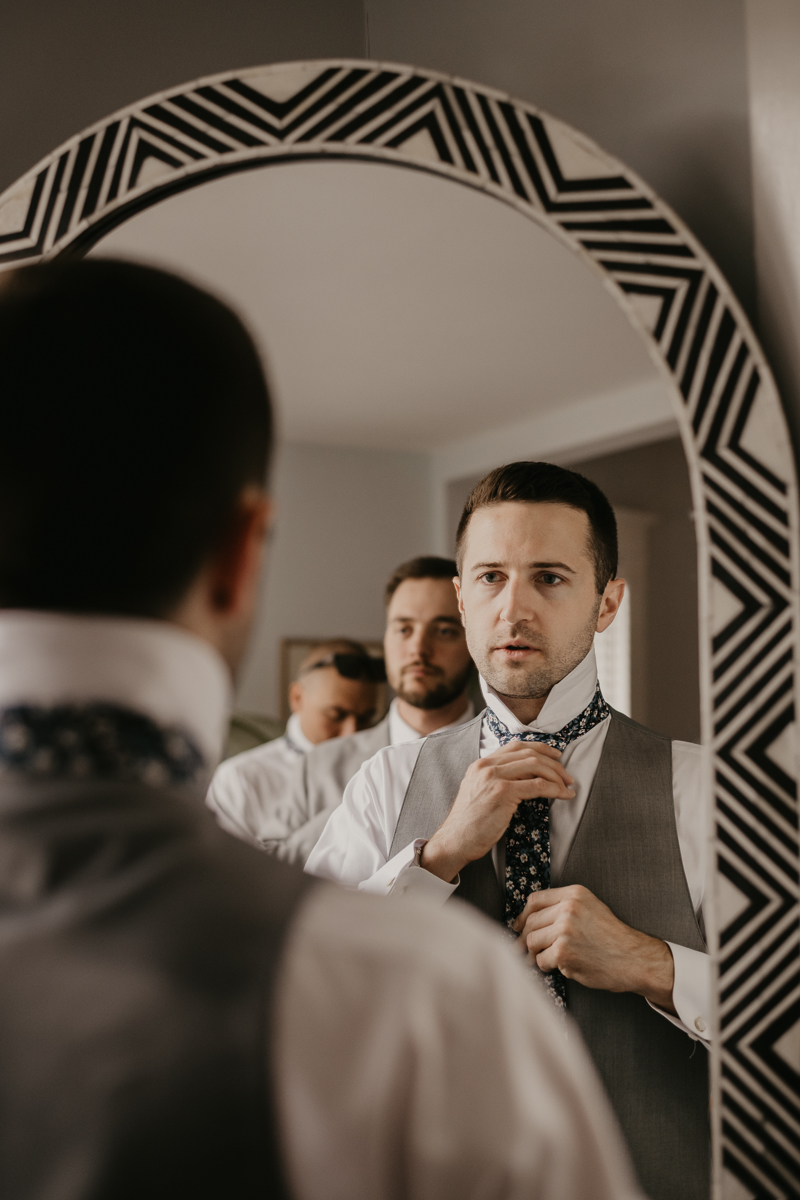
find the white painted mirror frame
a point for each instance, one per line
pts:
(732, 426)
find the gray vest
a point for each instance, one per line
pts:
(318, 786)
(626, 852)
(139, 949)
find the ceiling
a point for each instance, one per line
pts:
(395, 309)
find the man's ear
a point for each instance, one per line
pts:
(457, 586)
(609, 603)
(220, 605)
(235, 566)
(295, 696)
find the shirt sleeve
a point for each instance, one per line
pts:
(401, 877)
(414, 1040)
(356, 841)
(255, 796)
(298, 844)
(691, 993)
(230, 804)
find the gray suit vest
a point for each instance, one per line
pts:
(139, 949)
(319, 784)
(626, 852)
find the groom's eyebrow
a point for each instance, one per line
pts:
(549, 566)
(559, 566)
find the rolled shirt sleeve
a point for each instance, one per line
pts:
(356, 842)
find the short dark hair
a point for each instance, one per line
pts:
(134, 411)
(545, 483)
(427, 566)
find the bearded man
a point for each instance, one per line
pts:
(428, 667)
(580, 830)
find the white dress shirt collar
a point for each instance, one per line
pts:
(151, 667)
(400, 731)
(295, 737)
(566, 700)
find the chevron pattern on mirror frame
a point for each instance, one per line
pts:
(733, 431)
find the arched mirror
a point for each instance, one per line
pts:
(443, 279)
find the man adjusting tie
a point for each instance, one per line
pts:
(581, 831)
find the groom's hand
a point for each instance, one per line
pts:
(571, 929)
(490, 792)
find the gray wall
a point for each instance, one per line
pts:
(67, 63)
(655, 479)
(665, 666)
(662, 85)
(774, 61)
(345, 518)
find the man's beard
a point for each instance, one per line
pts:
(533, 681)
(437, 694)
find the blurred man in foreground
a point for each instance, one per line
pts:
(181, 1016)
(335, 694)
(429, 668)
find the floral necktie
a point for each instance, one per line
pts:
(528, 835)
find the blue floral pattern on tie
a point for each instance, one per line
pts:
(528, 835)
(96, 741)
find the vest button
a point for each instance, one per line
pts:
(700, 1025)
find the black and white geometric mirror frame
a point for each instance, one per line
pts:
(731, 422)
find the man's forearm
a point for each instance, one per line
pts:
(441, 859)
(655, 973)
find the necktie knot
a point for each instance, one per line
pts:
(596, 711)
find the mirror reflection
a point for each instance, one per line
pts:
(420, 335)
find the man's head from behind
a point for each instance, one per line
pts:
(537, 559)
(336, 690)
(136, 435)
(427, 661)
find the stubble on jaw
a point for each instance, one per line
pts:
(442, 693)
(528, 681)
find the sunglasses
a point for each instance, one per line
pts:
(354, 666)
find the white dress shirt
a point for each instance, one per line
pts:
(413, 1058)
(248, 788)
(400, 731)
(260, 795)
(354, 847)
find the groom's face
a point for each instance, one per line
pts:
(528, 595)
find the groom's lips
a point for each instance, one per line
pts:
(516, 651)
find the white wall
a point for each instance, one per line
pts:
(774, 71)
(593, 425)
(345, 519)
(663, 86)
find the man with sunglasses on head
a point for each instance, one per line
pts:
(428, 667)
(335, 694)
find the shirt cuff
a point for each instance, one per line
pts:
(402, 877)
(691, 993)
